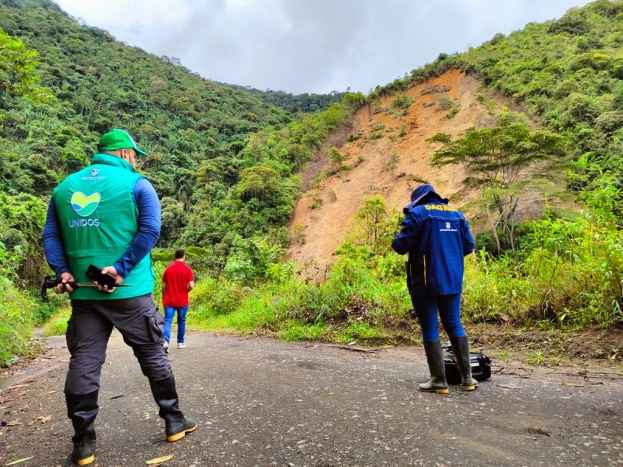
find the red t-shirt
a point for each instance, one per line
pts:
(176, 277)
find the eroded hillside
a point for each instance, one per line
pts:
(387, 155)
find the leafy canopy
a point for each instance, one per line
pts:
(18, 73)
(494, 157)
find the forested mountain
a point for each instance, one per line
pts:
(218, 186)
(193, 129)
(298, 103)
(225, 161)
(101, 83)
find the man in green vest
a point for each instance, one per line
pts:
(109, 215)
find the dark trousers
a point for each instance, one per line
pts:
(89, 328)
(448, 307)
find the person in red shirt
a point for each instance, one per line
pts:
(177, 281)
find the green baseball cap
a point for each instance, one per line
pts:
(118, 139)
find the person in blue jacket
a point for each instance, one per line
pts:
(437, 238)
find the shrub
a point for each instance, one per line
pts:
(569, 271)
(16, 323)
(609, 122)
(402, 102)
(214, 297)
(377, 131)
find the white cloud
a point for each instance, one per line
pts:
(310, 45)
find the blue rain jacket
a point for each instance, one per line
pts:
(437, 239)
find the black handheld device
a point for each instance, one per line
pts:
(95, 274)
(50, 282)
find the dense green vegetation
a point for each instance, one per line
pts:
(569, 275)
(296, 103)
(196, 131)
(224, 161)
(221, 157)
(20, 215)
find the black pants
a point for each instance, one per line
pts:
(89, 328)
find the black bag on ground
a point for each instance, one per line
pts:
(481, 366)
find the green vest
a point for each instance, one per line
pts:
(98, 218)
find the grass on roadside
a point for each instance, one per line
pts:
(57, 324)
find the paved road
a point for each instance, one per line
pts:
(260, 402)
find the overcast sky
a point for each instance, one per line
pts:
(314, 46)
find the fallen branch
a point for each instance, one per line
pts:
(357, 349)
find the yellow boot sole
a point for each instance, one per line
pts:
(181, 434)
(86, 460)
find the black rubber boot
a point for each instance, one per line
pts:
(434, 356)
(82, 410)
(460, 347)
(165, 394)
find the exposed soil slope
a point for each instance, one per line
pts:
(390, 165)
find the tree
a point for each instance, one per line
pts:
(493, 159)
(375, 225)
(18, 70)
(258, 182)
(335, 156)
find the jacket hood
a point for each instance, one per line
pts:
(421, 194)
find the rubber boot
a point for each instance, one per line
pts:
(434, 356)
(82, 410)
(165, 394)
(460, 347)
